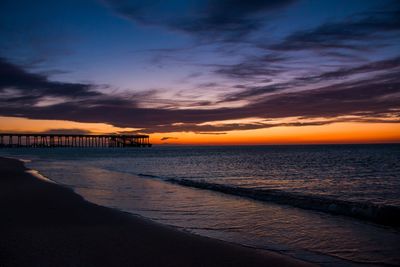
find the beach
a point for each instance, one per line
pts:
(44, 224)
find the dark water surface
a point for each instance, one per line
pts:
(331, 204)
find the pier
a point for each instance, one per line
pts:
(72, 140)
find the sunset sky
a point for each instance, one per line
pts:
(203, 72)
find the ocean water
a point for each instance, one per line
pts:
(336, 205)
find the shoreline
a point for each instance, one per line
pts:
(45, 224)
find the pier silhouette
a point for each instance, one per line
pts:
(72, 140)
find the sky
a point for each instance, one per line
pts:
(203, 71)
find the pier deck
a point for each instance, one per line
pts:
(72, 140)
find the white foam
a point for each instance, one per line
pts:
(40, 176)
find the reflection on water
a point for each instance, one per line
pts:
(304, 234)
(127, 180)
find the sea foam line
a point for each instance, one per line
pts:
(381, 214)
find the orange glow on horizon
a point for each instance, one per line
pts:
(335, 133)
(16, 124)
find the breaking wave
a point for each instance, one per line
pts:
(381, 214)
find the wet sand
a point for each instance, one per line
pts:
(44, 224)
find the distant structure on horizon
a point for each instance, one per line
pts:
(8, 140)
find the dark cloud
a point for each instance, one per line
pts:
(208, 85)
(376, 97)
(14, 77)
(66, 131)
(29, 88)
(168, 138)
(212, 133)
(375, 27)
(382, 65)
(250, 92)
(253, 68)
(255, 91)
(216, 19)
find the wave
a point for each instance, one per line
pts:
(381, 214)
(149, 175)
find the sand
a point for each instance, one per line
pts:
(45, 224)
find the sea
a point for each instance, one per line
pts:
(335, 205)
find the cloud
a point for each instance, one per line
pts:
(376, 97)
(340, 74)
(66, 131)
(375, 26)
(254, 68)
(168, 138)
(250, 92)
(18, 86)
(381, 65)
(212, 133)
(217, 20)
(14, 77)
